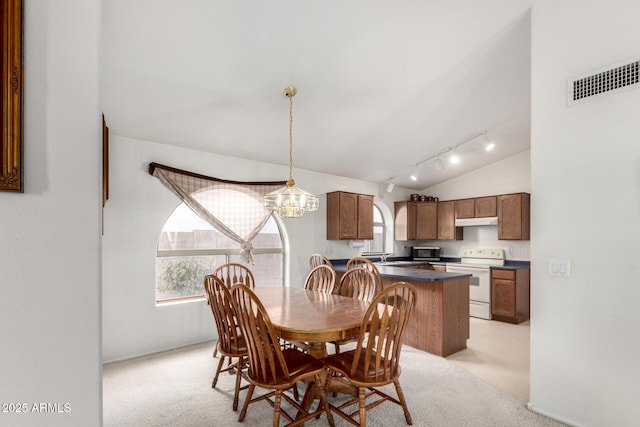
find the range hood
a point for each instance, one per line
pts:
(469, 222)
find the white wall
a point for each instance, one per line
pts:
(50, 251)
(510, 175)
(138, 207)
(585, 169)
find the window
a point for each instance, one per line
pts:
(376, 245)
(190, 248)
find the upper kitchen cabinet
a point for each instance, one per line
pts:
(465, 208)
(416, 220)
(486, 207)
(513, 216)
(349, 216)
(480, 207)
(427, 221)
(447, 229)
(405, 220)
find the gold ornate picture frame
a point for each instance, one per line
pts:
(11, 145)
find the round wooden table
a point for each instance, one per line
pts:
(312, 317)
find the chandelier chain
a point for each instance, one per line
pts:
(290, 140)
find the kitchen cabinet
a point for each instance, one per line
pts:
(510, 294)
(479, 207)
(427, 221)
(465, 208)
(349, 216)
(447, 229)
(416, 220)
(486, 207)
(513, 216)
(405, 220)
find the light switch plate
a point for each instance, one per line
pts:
(559, 267)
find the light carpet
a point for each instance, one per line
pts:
(174, 389)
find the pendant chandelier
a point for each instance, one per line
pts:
(291, 201)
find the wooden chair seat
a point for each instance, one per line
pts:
(362, 375)
(298, 365)
(235, 349)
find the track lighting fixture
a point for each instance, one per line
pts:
(454, 156)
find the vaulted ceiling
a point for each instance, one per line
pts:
(382, 85)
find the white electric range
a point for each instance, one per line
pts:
(478, 263)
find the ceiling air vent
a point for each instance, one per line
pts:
(605, 81)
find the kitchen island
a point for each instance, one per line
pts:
(440, 322)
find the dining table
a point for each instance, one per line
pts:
(315, 318)
(311, 317)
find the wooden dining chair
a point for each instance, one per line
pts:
(359, 283)
(232, 273)
(375, 362)
(272, 368)
(359, 261)
(321, 278)
(318, 259)
(231, 343)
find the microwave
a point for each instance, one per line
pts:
(425, 253)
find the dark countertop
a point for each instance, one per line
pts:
(406, 261)
(408, 273)
(511, 266)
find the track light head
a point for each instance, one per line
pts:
(415, 174)
(454, 158)
(488, 144)
(437, 163)
(390, 187)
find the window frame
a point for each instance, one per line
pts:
(228, 253)
(382, 224)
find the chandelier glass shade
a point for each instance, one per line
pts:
(291, 201)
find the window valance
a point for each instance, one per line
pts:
(222, 203)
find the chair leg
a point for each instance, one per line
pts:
(247, 400)
(276, 408)
(296, 396)
(323, 400)
(363, 409)
(238, 378)
(403, 402)
(215, 378)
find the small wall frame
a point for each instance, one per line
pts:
(11, 144)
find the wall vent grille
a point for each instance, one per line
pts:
(605, 81)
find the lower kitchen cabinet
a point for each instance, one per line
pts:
(510, 294)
